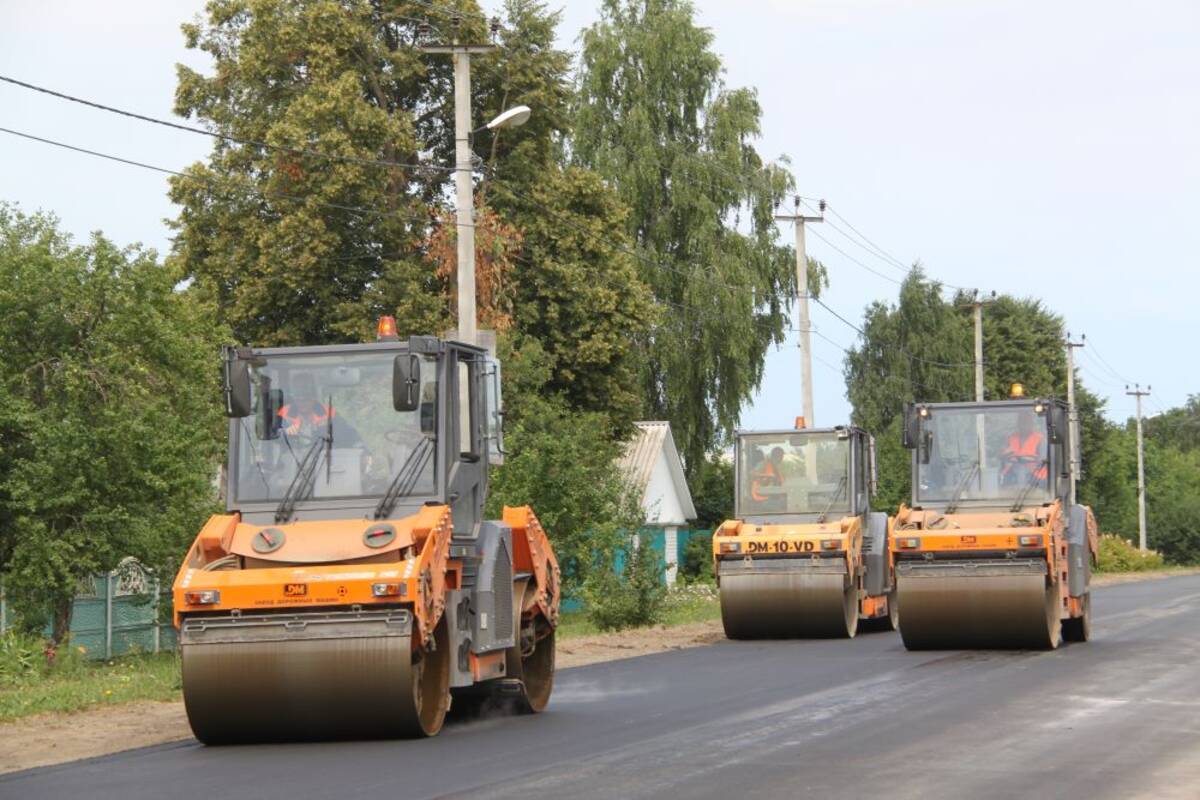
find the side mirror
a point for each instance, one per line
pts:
(235, 375)
(406, 382)
(267, 423)
(908, 436)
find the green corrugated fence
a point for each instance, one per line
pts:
(117, 613)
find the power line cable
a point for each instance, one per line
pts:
(929, 362)
(1091, 350)
(882, 254)
(885, 255)
(855, 260)
(223, 136)
(213, 180)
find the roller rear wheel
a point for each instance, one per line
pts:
(531, 659)
(1079, 629)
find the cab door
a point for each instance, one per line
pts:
(467, 480)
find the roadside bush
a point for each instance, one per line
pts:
(20, 657)
(1176, 528)
(696, 566)
(563, 463)
(631, 598)
(1118, 554)
(27, 657)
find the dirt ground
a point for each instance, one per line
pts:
(56, 738)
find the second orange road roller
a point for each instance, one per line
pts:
(805, 555)
(354, 587)
(992, 552)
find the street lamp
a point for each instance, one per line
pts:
(517, 115)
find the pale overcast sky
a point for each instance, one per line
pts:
(1034, 148)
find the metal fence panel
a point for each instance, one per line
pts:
(115, 614)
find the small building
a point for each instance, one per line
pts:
(652, 466)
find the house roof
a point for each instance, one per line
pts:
(642, 452)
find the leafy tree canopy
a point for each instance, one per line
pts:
(655, 119)
(311, 247)
(108, 420)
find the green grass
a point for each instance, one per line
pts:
(29, 684)
(696, 603)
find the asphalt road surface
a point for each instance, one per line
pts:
(1117, 717)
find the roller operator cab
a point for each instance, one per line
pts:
(804, 555)
(353, 586)
(991, 553)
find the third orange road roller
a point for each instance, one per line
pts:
(992, 552)
(804, 555)
(354, 585)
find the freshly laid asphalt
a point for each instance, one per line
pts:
(1116, 717)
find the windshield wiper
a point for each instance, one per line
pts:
(302, 484)
(838, 493)
(952, 506)
(406, 477)
(1033, 481)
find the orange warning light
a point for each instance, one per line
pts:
(386, 330)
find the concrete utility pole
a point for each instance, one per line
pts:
(1072, 414)
(1139, 394)
(802, 305)
(977, 305)
(464, 189)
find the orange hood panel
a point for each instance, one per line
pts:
(321, 541)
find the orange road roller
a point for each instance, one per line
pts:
(805, 555)
(353, 588)
(992, 552)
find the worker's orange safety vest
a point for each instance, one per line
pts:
(295, 421)
(1027, 448)
(761, 478)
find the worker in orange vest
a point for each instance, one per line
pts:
(1025, 454)
(767, 474)
(303, 412)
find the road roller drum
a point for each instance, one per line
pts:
(787, 599)
(977, 604)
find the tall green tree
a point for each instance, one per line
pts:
(527, 69)
(108, 425)
(310, 238)
(1179, 427)
(578, 293)
(302, 249)
(655, 119)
